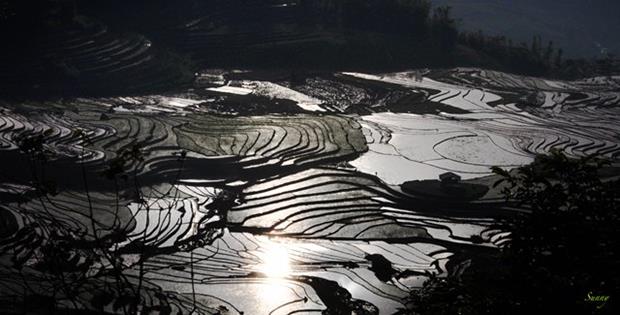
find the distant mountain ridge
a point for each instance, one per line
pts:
(584, 28)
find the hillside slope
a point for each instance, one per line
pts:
(582, 27)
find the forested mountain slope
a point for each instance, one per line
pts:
(584, 28)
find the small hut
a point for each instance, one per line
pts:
(449, 178)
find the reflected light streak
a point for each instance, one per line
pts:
(275, 262)
(275, 266)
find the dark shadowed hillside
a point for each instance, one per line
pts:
(584, 28)
(81, 47)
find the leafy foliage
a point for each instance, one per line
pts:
(562, 250)
(537, 58)
(90, 266)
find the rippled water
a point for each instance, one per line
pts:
(287, 199)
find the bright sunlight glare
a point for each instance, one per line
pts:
(274, 261)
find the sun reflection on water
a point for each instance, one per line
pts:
(275, 262)
(275, 266)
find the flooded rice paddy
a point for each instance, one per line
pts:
(258, 196)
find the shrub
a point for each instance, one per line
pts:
(563, 252)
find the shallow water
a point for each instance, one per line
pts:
(314, 217)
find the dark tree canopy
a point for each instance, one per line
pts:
(563, 251)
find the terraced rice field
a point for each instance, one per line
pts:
(267, 197)
(89, 59)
